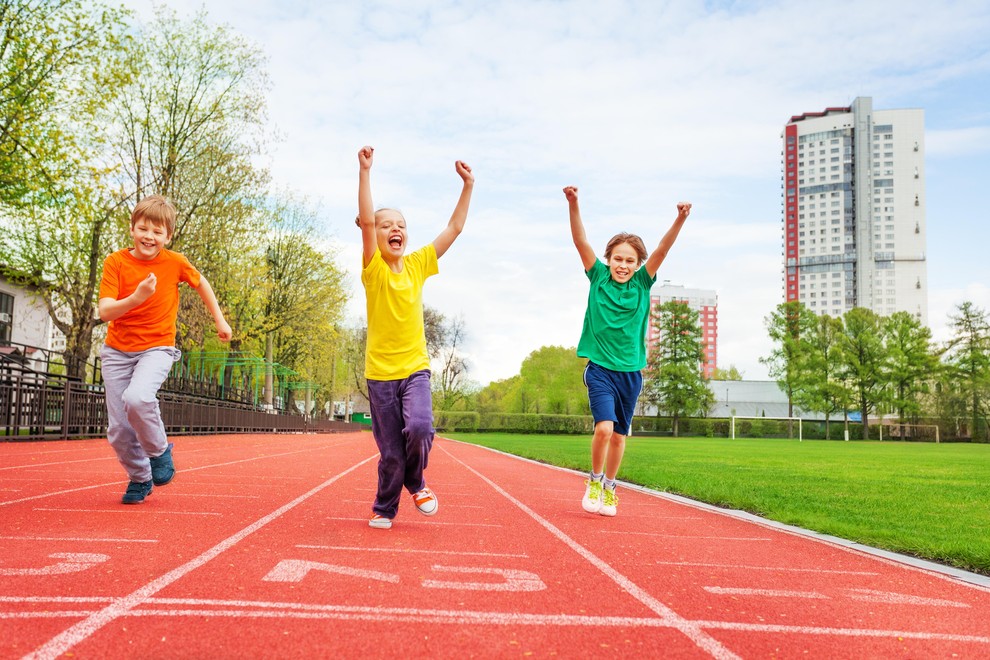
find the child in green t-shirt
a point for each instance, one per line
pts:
(613, 340)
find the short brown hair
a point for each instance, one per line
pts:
(157, 210)
(634, 241)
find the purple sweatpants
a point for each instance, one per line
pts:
(402, 423)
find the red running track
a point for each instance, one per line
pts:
(260, 548)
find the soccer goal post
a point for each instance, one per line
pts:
(923, 432)
(732, 425)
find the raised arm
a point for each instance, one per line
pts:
(456, 224)
(584, 248)
(366, 208)
(660, 253)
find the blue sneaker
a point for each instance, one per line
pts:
(162, 469)
(136, 492)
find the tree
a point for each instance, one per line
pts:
(968, 359)
(50, 52)
(864, 358)
(788, 325)
(551, 383)
(672, 379)
(824, 389)
(731, 373)
(910, 364)
(450, 381)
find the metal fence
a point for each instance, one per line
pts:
(40, 408)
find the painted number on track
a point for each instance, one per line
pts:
(295, 570)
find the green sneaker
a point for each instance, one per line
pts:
(609, 501)
(592, 501)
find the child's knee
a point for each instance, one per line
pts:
(420, 430)
(135, 399)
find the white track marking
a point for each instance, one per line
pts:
(693, 632)
(871, 596)
(133, 510)
(88, 626)
(82, 539)
(216, 496)
(423, 522)
(686, 536)
(40, 465)
(295, 570)
(458, 553)
(284, 610)
(72, 562)
(736, 567)
(183, 471)
(515, 580)
(766, 593)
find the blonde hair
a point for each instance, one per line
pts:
(634, 241)
(157, 210)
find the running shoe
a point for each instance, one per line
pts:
(609, 502)
(162, 469)
(426, 502)
(380, 522)
(592, 500)
(136, 492)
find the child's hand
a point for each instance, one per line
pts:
(145, 288)
(570, 192)
(224, 333)
(464, 170)
(683, 210)
(365, 156)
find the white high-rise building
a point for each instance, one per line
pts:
(854, 210)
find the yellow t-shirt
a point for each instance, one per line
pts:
(396, 336)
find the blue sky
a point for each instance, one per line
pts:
(640, 104)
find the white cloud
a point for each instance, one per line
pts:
(641, 104)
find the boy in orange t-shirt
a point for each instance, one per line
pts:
(139, 299)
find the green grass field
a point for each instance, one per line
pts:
(927, 500)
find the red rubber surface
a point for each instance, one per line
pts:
(260, 547)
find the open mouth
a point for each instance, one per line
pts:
(395, 241)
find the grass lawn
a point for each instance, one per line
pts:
(922, 499)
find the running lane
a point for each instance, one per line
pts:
(261, 548)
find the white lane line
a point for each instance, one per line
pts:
(692, 631)
(77, 633)
(424, 522)
(216, 496)
(128, 511)
(40, 465)
(82, 539)
(872, 596)
(255, 609)
(768, 593)
(686, 536)
(842, 632)
(346, 548)
(183, 471)
(736, 567)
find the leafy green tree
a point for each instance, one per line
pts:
(730, 373)
(823, 389)
(51, 52)
(788, 326)
(552, 382)
(672, 379)
(968, 360)
(911, 362)
(498, 395)
(864, 360)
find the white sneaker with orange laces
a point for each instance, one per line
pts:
(426, 502)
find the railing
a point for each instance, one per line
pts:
(59, 409)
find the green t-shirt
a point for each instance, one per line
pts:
(396, 334)
(614, 333)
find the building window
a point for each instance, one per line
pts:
(6, 316)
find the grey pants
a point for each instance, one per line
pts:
(135, 429)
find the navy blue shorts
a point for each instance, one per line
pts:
(613, 395)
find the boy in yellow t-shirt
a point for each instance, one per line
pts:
(397, 365)
(139, 299)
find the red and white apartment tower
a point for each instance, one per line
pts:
(703, 301)
(853, 198)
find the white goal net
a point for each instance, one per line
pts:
(756, 420)
(917, 432)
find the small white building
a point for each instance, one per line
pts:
(24, 321)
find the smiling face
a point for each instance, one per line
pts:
(390, 230)
(623, 262)
(149, 238)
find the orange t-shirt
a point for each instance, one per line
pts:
(152, 323)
